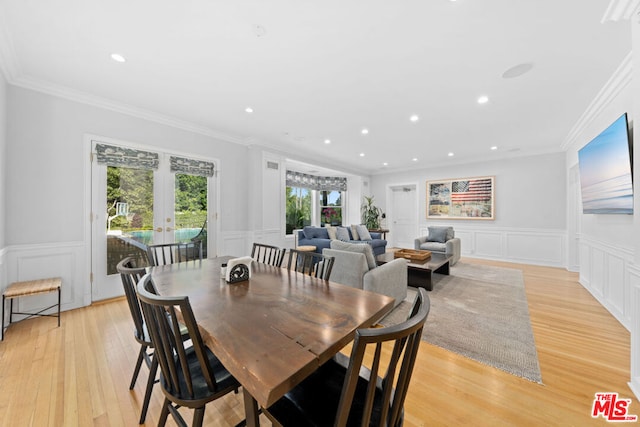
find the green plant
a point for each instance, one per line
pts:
(370, 213)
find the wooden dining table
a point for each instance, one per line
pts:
(274, 329)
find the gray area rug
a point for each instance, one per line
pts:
(480, 312)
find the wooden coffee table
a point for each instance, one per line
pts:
(420, 272)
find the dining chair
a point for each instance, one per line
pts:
(189, 377)
(130, 276)
(311, 263)
(267, 254)
(170, 253)
(344, 392)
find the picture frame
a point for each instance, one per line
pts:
(461, 198)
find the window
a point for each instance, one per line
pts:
(298, 209)
(330, 207)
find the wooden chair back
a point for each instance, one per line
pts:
(267, 254)
(311, 263)
(170, 253)
(130, 276)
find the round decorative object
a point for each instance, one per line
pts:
(239, 273)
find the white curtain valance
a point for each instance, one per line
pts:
(312, 182)
(112, 155)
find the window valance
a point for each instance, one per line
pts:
(312, 182)
(112, 155)
(191, 166)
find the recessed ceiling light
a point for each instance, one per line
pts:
(249, 110)
(414, 118)
(117, 57)
(327, 141)
(361, 154)
(494, 148)
(365, 131)
(517, 70)
(450, 154)
(385, 164)
(483, 99)
(415, 159)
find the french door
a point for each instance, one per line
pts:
(141, 198)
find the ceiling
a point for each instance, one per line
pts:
(313, 71)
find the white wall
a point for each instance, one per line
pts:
(46, 168)
(529, 207)
(3, 168)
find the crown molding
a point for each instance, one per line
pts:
(8, 64)
(620, 79)
(621, 10)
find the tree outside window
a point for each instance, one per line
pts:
(298, 209)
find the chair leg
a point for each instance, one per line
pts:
(165, 413)
(198, 417)
(147, 394)
(136, 371)
(3, 302)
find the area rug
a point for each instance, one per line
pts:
(480, 312)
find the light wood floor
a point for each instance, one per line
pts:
(78, 374)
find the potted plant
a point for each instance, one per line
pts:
(370, 214)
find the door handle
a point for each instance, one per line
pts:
(168, 229)
(159, 229)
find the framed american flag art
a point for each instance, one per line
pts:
(464, 198)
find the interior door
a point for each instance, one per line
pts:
(141, 198)
(404, 220)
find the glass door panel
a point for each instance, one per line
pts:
(129, 225)
(190, 209)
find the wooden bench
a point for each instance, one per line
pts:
(30, 287)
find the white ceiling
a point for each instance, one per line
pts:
(327, 69)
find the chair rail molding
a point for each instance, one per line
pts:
(525, 245)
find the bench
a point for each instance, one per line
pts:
(30, 287)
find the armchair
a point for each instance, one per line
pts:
(441, 240)
(352, 269)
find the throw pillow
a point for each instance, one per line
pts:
(332, 232)
(363, 233)
(342, 234)
(437, 234)
(354, 232)
(363, 248)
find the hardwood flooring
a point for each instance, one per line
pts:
(78, 374)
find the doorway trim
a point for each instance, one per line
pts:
(87, 142)
(391, 215)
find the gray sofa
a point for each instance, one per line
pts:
(353, 268)
(440, 240)
(319, 237)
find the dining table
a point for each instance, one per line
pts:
(274, 329)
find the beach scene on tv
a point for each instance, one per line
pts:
(605, 172)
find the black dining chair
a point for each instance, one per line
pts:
(170, 253)
(268, 254)
(190, 377)
(130, 276)
(311, 263)
(344, 392)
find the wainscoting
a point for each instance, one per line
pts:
(529, 246)
(605, 271)
(66, 260)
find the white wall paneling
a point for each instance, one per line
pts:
(65, 260)
(530, 246)
(234, 243)
(605, 271)
(634, 301)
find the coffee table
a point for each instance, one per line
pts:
(420, 272)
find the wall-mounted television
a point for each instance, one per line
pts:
(605, 164)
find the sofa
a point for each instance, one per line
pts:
(440, 240)
(319, 237)
(355, 266)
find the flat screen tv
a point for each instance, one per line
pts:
(605, 171)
